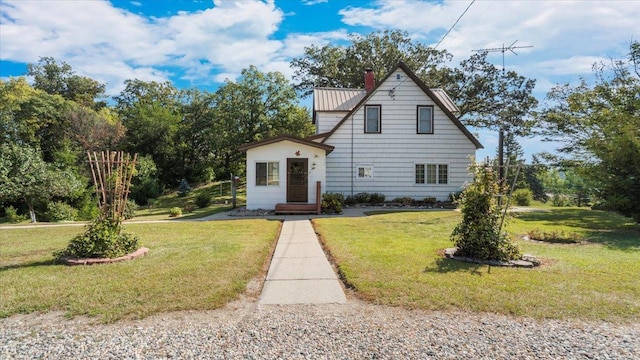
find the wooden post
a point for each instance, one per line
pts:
(318, 198)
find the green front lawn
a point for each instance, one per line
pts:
(396, 259)
(190, 266)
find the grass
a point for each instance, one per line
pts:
(395, 259)
(190, 266)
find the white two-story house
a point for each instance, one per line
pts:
(398, 138)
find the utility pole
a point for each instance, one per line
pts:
(502, 49)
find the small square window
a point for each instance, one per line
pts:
(372, 119)
(365, 172)
(425, 119)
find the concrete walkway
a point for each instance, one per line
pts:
(300, 272)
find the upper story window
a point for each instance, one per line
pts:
(372, 116)
(267, 173)
(425, 119)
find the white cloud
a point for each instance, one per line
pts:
(227, 37)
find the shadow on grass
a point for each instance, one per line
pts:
(51, 262)
(603, 227)
(444, 265)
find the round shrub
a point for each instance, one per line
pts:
(175, 212)
(130, 210)
(59, 211)
(332, 203)
(522, 197)
(103, 239)
(203, 200)
(13, 216)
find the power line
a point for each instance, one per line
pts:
(454, 24)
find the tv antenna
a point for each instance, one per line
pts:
(504, 49)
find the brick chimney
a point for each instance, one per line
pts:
(369, 80)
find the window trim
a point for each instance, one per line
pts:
(418, 119)
(364, 166)
(438, 175)
(268, 167)
(379, 107)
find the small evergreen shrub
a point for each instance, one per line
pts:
(175, 212)
(349, 200)
(332, 203)
(376, 199)
(522, 197)
(130, 210)
(13, 216)
(184, 188)
(203, 200)
(479, 235)
(59, 211)
(102, 239)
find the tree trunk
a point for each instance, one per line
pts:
(32, 212)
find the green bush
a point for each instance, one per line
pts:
(455, 196)
(376, 199)
(103, 239)
(175, 212)
(522, 197)
(560, 200)
(430, 201)
(12, 215)
(59, 211)
(203, 200)
(479, 235)
(130, 210)
(332, 203)
(403, 200)
(555, 236)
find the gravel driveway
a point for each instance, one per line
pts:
(246, 330)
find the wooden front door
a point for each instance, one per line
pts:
(297, 180)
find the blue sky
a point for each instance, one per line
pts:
(202, 43)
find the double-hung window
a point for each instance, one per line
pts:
(267, 173)
(372, 116)
(432, 174)
(425, 120)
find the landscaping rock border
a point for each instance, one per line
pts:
(89, 261)
(527, 261)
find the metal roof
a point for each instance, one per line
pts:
(446, 100)
(333, 99)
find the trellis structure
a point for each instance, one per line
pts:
(112, 172)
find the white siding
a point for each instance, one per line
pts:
(325, 121)
(266, 197)
(394, 152)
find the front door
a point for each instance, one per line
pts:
(297, 180)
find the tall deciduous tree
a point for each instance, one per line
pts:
(25, 176)
(58, 78)
(257, 106)
(344, 66)
(599, 127)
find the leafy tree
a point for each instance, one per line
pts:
(599, 127)
(151, 112)
(58, 78)
(25, 176)
(257, 106)
(343, 67)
